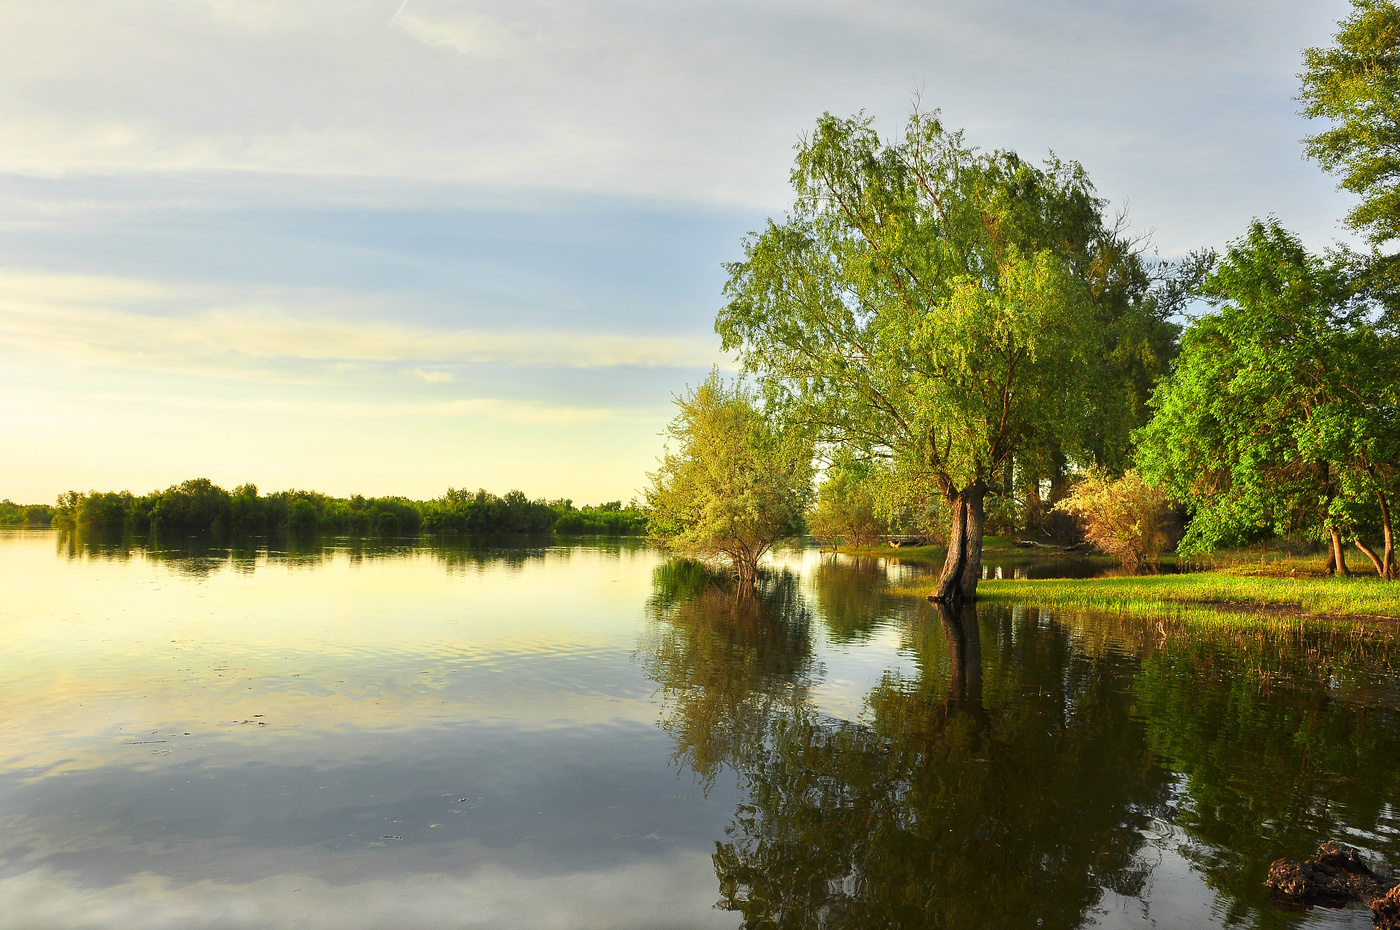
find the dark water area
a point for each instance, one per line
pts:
(335, 734)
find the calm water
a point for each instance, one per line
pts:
(589, 736)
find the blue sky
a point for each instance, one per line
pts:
(387, 247)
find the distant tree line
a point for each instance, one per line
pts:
(199, 505)
(12, 514)
(610, 519)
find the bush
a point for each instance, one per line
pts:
(1124, 517)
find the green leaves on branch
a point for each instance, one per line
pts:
(1283, 414)
(736, 483)
(1355, 83)
(956, 314)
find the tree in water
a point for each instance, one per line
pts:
(736, 483)
(960, 315)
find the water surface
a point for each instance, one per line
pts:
(589, 736)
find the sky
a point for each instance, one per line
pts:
(388, 247)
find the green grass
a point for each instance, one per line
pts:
(1355, 598)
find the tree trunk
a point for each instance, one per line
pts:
(1370, 554)
(962, 569)
(1339, 554)
(747, 578)
(1035, 510)
(1389, 560)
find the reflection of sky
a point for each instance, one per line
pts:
(377, 742)
(419, 739)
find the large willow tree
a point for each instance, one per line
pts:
(952, 311)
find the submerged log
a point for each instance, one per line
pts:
(1032, 544)
(1336, 877)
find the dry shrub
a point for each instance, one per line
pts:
(1125, 517)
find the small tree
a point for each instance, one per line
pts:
(1125, 517)
(736, 483)
(846, 506)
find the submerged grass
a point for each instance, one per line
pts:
(1206, 592)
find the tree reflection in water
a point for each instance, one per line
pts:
(1011, 793)
(1283, 741)
(728, 668)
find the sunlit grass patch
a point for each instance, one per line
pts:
(1157, 594)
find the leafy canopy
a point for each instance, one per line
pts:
(940, 307)
(736, 482)
(1355, 83)
(1281, 413)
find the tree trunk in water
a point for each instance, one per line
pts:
(747, 583)
(964, 653)
(1339, 554)
(962, 569)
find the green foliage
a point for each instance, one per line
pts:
(610, 519)
(847, 509)
(736, 483)
(956, 313)
(1124, 517)
(1282, 414)
(199, 505)
(461, 511)
(12, 514)
(1355, 84)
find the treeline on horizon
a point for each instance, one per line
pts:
(199, 505)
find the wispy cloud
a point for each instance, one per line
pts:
(152, 326)
(693, 102)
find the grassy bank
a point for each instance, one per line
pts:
(1355, 598)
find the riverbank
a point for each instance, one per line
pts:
(1283, 585)
(1339, 598)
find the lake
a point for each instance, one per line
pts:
(345, 735)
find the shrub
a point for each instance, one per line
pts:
(1124, 517)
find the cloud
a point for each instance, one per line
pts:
(1184, 106)
(190, 329)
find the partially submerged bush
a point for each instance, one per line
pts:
(736, 484)
(1125, 517)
